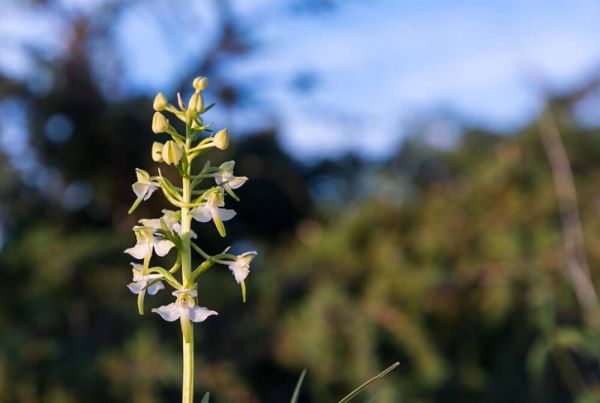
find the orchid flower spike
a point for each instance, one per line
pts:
(211, 210)
(144, 187)
(226, 179)
(240, 267)
(141, 281)
(147, 241)
(184, 308)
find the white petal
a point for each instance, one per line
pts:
(200, 313)
(185, 291)
(141, 175)
(136, 287)
(171, 218)
(151, 188)
(201, 213)
(193, 234)
(138, 251)
(156, 287)
(226, 214)
(170, 312)
(137, 275)
(239, 272)
(237, 182)
(140, 189)
(151, 222)
(162, 246)
(219, 179)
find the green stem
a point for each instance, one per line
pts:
(188, 368)
(186, 272)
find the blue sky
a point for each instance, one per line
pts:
(380, 64)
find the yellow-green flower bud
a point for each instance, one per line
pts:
(200, 83)
(193, 101)
(221, 139)
(172, 152)
(160, 102)
(160, 124)
(199, 104)
(157, 149)
(195, 105)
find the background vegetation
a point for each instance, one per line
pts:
(449, 259)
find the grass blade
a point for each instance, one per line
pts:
(297, 389)
(356, 391)
(205, 398)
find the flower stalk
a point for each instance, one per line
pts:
(173, 231)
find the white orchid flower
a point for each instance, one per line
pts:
(171, 220)
(144, 187)
(241, 266)
(225, 177)
(184, 308)
(147, 241)
(211, 210)
(141, 281)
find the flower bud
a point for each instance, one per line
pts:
(195, 105)
(160, 102)
(160, 124)
(200, 83)
(199, 104)
(221, 139)
(157, 149)
(193, 101)
(172, 152)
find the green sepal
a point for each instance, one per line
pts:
(135, 204)
(220, 226)
(140, 301)
(231, 193)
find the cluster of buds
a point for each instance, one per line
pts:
(193, 200)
